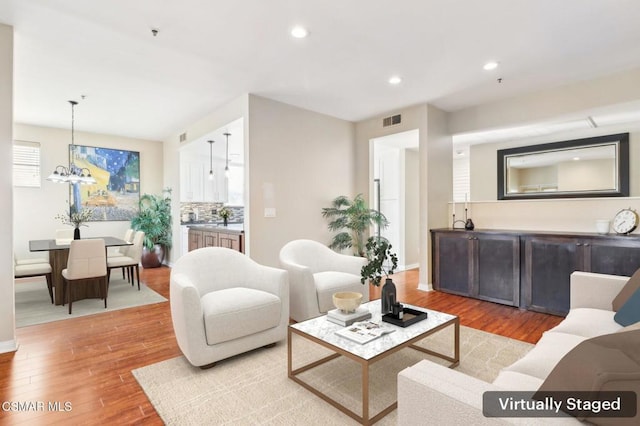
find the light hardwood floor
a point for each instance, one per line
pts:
(87, 361)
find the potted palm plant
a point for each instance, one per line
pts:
(154, 219)
(352, 218)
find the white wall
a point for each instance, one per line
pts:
(435, 169)
(35, 208)
(7, 318)
(299, 162)
(411, 208)
(575, 100)
(235, 109)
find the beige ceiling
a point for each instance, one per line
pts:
(208, 52)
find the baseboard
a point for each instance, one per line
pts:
(409, 266)
(8, 346)
(425, 287)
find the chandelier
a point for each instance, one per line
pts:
(73, 173)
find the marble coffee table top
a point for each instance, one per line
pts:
(325, 330)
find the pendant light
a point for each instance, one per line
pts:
(226, 167)
(73, 173)
(211, 159)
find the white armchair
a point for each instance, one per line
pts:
(223, 304)
(315, 273)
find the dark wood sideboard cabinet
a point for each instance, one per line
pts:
(526, 268)
(481, 265)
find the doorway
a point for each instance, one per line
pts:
(395, 193)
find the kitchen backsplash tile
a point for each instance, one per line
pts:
(207, 212)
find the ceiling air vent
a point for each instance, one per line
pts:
(392, 120)
(183, 137)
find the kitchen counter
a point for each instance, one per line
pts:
(232, 228)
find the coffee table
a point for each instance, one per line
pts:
(322, 332)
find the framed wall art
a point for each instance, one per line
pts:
(116, 193)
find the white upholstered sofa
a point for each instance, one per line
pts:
(447, 397)
(223, 303)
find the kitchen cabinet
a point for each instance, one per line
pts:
(232, 241)
(209, 239)
(483, 266)
(192, 181)
(195, 185)
(195, 239)
(215, 237)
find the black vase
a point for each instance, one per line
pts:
(469, 225)
(76, 234)
(388, 296)
(225, 221)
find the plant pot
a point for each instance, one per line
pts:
(152, 258)
(76, 234)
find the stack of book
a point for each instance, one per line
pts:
(336, 316)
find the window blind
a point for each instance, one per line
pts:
(461, 179)
(26, 164)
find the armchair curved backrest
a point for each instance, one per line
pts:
(315, 273)
(218, 268)
(319, 258)
(200, 284)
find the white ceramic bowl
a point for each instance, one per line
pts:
(347, 301)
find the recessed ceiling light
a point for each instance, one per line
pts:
(299, 32)
(490, 66)
(576, 158)
(395, 80)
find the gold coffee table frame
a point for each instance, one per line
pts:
(365, 363)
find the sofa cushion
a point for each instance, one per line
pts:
(545, 355)
(629, 313)
(237, 312)
(512, 380)
(604, 363)
(588, 322)
(635, 326)
(629, 288)
(330, 282)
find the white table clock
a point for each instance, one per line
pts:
(625, 221)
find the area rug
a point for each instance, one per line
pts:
(253, 388)
(33, 305)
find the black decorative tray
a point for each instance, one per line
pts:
(409, 317)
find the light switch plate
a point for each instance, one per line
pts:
(269, 212)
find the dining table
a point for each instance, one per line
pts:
(58, 254)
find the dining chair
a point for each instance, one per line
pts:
(87, 261)
(130, 261)
(122, 250)
(26, 268)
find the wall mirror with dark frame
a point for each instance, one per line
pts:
(590, 167)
